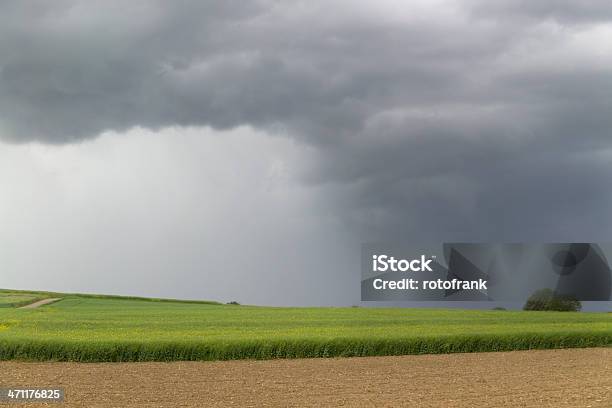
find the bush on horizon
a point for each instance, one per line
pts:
(547, 299)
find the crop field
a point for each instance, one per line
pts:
(98, 328)
(17, 299)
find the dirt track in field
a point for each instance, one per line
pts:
(40, 303)
(551, 378)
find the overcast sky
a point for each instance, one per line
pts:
(243, 150)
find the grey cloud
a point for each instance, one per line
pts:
(566, 11)
(74, 69)
(470, 120)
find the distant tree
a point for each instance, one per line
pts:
(547, 299)
(233, 302)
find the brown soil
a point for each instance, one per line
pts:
(550, 378)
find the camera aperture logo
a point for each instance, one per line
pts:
(388, 263)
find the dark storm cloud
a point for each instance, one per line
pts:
(467, 120)
(73, 69)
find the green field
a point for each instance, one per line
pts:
(18, 299)
(99, 328)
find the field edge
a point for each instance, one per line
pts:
(141, 351)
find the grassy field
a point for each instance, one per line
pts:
(99, 328)
(11, 299)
